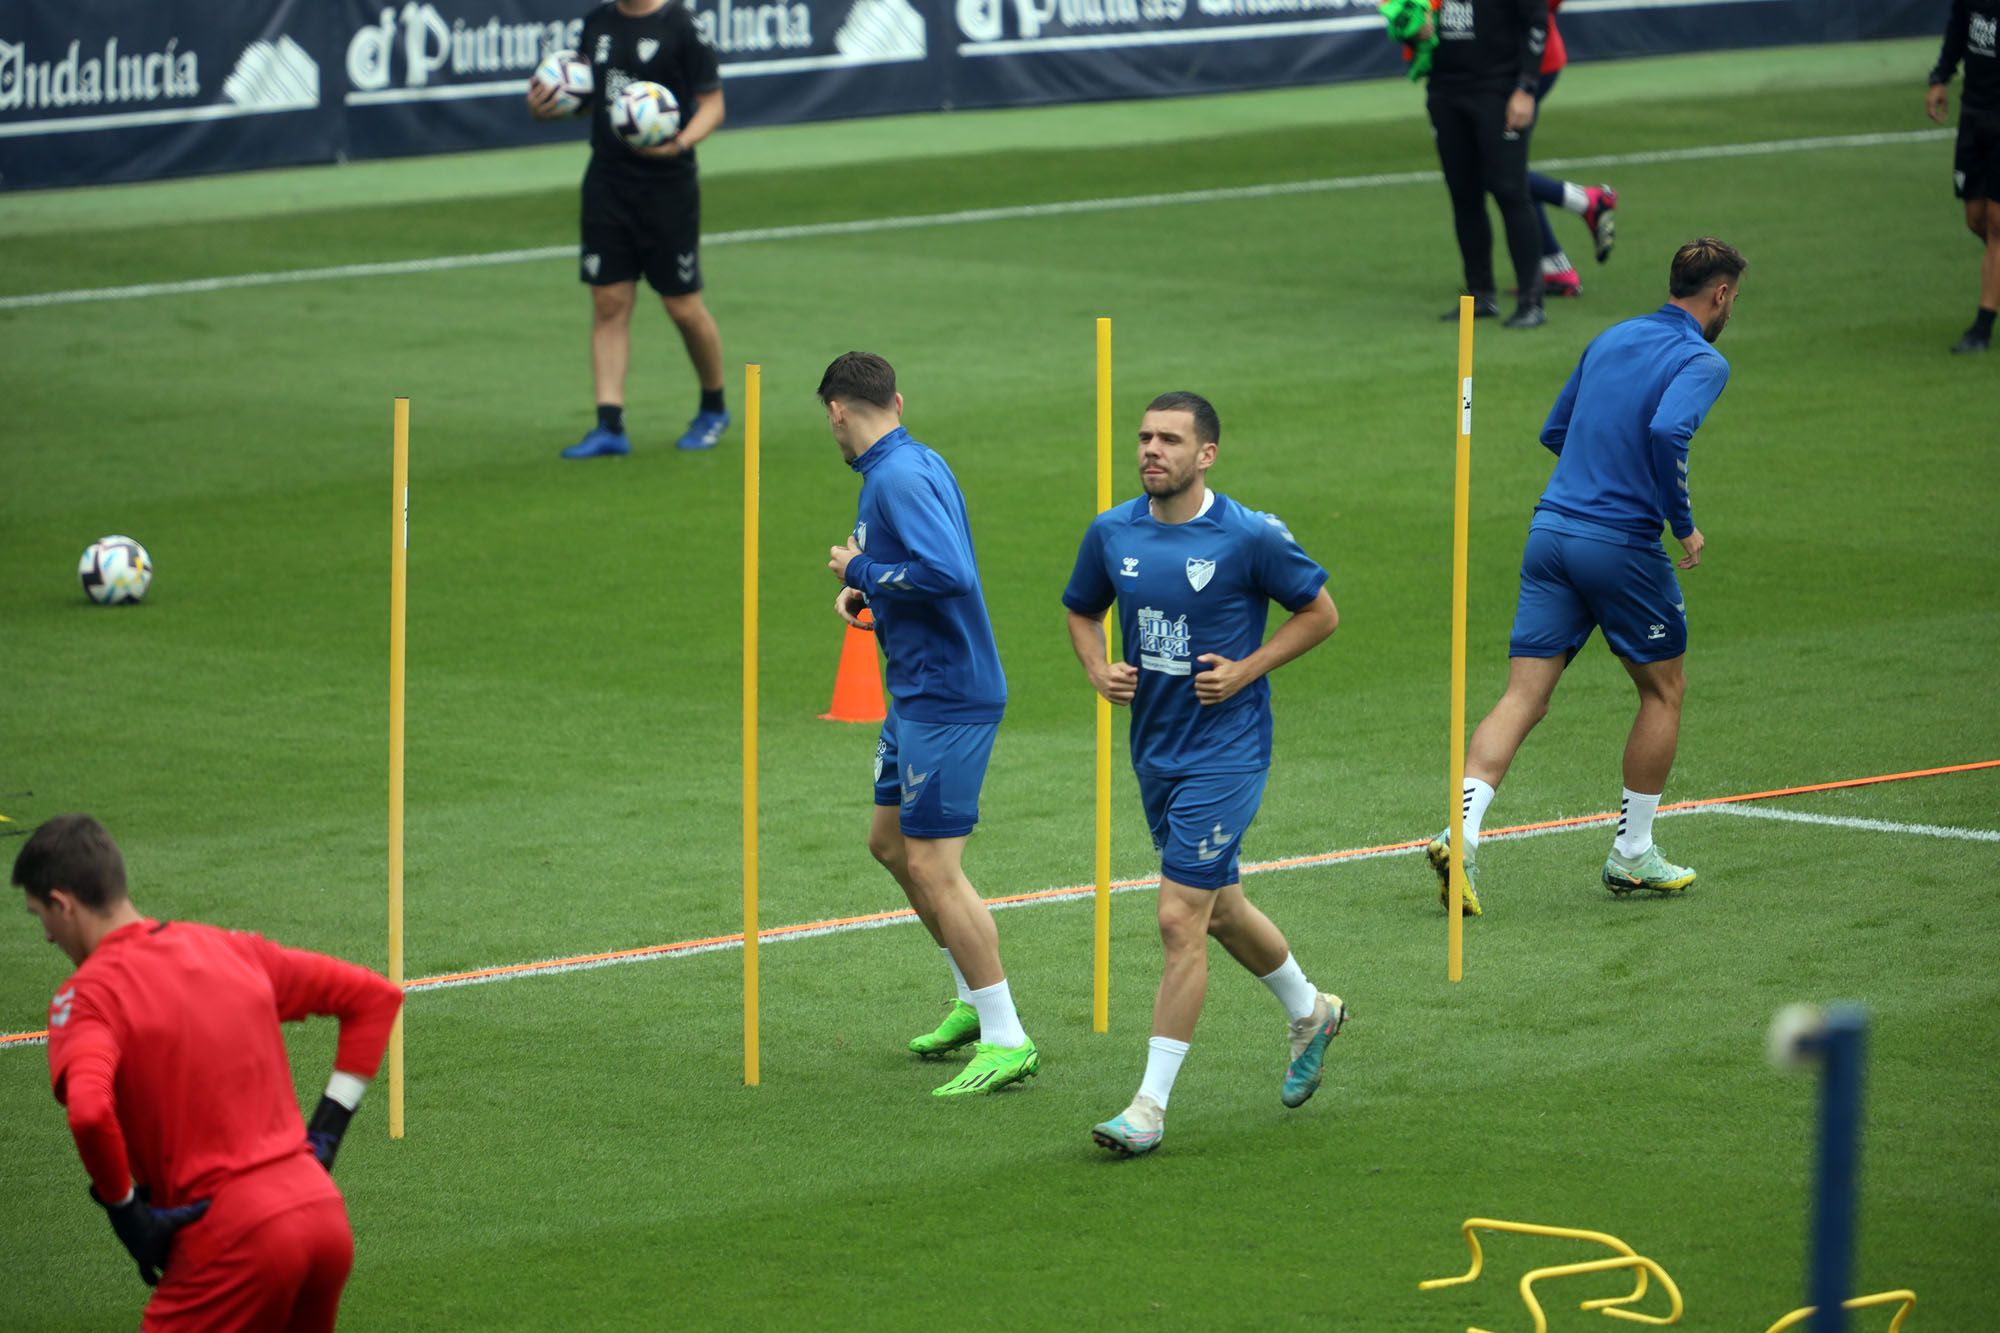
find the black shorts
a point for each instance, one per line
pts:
(1975, 166)
(634, 227)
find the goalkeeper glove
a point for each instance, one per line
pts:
(324, 1130)
(148, 1232)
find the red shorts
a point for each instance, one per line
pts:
(272, 1252)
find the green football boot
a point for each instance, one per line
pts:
(1439, 853)
(1135, 1131)
(1310, 1036)
(992, 1068)
(960, 1028)
(1649, 870)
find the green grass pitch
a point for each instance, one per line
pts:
(581, 1152)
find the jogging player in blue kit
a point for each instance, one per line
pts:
(910, 561)
(1594, 559)
(1193, 574)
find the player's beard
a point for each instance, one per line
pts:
(1169, 486)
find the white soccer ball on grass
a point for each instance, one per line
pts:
(646, 114)
(115, 571)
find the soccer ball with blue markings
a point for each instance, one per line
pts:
(646, 115)
(115, 571)
(565, 74)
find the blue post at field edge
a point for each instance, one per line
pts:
(1841, 1043)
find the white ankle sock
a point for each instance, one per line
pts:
(1478, 795)
(999, 1025)
(1635, 822)
(1289, 984)
(1576, 199)
(1163, 1066)
(964, 991)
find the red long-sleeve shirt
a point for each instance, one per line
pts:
(164, 1047)
(1554, 55)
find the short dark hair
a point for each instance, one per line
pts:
(75, 853)
(861, 376)
(1207, 426)
(1701, 262)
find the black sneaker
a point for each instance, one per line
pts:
(1973, 341)
(1526, 317)
(1485, 305)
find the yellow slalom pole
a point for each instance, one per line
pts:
(399, 572)
(753, 379)
(1100, 1007)
(1461, 518)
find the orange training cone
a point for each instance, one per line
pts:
(857, 690)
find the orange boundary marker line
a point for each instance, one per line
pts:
(1078, 891)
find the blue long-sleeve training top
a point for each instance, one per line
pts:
(922, 582)
(1620, 428)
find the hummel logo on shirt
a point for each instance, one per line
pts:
(60, 1006)
(1131, 568)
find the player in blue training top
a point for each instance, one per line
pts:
(910, 561)
(1620, 431)
(1193, 574)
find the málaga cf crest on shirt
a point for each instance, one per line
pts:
(1200, 572)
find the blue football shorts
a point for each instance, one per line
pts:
(1571, 585)
(1198, 824)
(933, 770)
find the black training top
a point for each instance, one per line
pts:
(1489, 45)
(662, 47)
(1972, 35)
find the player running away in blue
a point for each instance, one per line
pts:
(1620, 431)
(1193, 574)
(910, 561)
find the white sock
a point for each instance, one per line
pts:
(1478, 795)
(1289, 984)
(1635, 822)
(1575, 198)
(999, 1025)
(1557, 263)
(1163, 1066)
(346, 1088)
(964, 991)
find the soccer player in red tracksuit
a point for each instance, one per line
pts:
(164, 1046)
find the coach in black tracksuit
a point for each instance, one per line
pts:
(1482, 105)
(1972, 35)
(642, 208)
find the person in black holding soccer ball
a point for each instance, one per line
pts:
(642, 207)
(1972, 34)
(1483, 78)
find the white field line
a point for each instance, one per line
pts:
(1084, 891)
(1854, 822)
(962, 218)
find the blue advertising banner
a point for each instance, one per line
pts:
(97, 91)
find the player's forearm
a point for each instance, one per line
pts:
(367, 1017)
(93, 1123)
(1953, 49)
(707, 119)
(1535, 14)
(907, 580)
(1306, 629)
(1556, 429)
(1087, 637)
(1670, 468)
